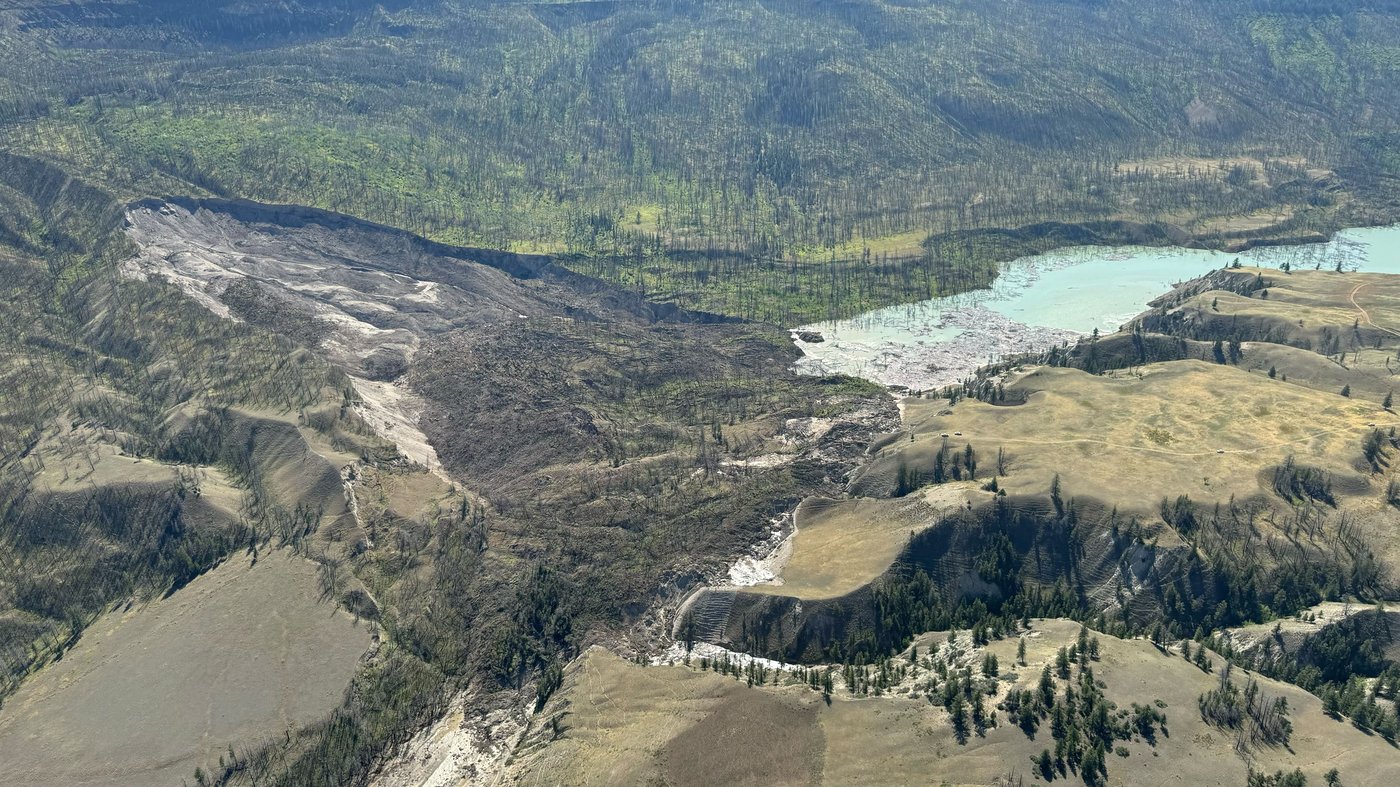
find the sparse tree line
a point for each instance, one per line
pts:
(1344, 663)
(948, 465)
(1254, 717)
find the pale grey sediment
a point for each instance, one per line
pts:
(1039, 302)
(955, 346)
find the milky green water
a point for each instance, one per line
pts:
(1047, 299)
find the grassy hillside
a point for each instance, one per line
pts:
(115, 406)
(1186, 427)
(1190, 474)
(110, 712)
(604, 726)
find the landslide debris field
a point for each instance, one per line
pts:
(411, 419)
(366, 297)
(398, 393)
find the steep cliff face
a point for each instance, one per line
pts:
(1013, 557)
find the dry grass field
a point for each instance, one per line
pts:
(153, 691)
(255, 647)
(623, 723)
(842, 545)
(1133, 438)
(1312, 301)
(626, 724)
(1319, 329)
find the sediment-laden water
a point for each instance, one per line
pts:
(1038, 302)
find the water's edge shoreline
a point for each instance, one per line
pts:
(935, 341)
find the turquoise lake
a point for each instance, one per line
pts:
(1037, 302)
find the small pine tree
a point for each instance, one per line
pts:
(1346, 390)
(1045, 765)
(1047, 688)
(958, 711)
(1273, 373)
(1093, 769)
(979, 714)
(1389, 399)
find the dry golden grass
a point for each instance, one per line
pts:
(1334, 298)
(841, 545)
(623, 723)
(1309, 300)
(1133, 438)
(153, 691)
(627, 724)
(1328, 312)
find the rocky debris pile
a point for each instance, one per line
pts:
(975, 336)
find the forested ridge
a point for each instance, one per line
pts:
(723, 155)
